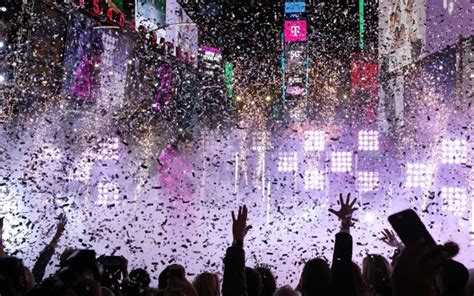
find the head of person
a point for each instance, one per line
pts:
(207, 283)
(170, 273)
(254, 282)
(286, 291)
(452, 278)
(315, 278)
(138, 283)
(268, 281)
(450, 248)
(78, 275)
(172, 282)
(64, 255)
(13, 277)
(359, 282)
(81, 264)
(141, 277)
(376, 271)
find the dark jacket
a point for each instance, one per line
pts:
(342, 279)
(234, 283)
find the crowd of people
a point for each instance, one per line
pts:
(417, 269)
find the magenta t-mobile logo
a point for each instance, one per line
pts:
(295, 30)
(164, 75)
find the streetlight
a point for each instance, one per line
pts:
(268, 98)
(238, 98)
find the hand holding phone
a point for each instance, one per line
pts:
(410, 228)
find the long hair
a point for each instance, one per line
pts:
(207, 284)
(315, 278)
(376, 272)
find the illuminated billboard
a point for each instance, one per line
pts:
(295, 55)
(295, 31)
(116, 11)
(294, 7)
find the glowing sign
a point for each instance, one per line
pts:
(295, 31)
(295, 90)
(294, 7)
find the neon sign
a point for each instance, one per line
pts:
(295, 31)
(102, 7)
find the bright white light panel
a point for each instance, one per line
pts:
(314, 179)
(367, 181)
(454, 200)
(109, 150)
(314, 140)
(287, 162)
(341, 162)
(419, 175)
(453, 152)
(108, 192)
(368, 140)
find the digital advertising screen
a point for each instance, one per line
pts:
(295, 31)
(294, 7)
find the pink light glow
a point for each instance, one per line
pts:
(295, 31)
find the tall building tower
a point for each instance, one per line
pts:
(294, 63)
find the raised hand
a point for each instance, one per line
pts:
(347, 209)
(239, 224)
(390, 238)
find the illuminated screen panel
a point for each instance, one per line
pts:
(295, 31)
(294, 7)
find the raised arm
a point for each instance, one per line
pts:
(390, 239)
(48, 251)
(342, 280)
(234, 283)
